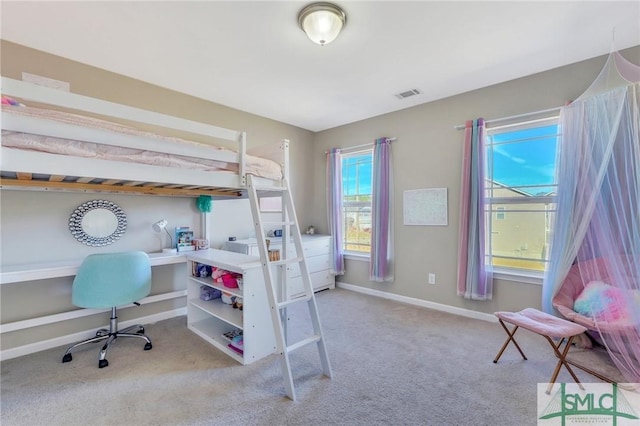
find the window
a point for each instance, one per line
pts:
(357, 174)
(520, 190)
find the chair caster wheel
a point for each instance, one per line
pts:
(67, 358)
(148, 346)
(141, 331)
(102, 333)
(103, 363)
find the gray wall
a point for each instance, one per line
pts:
(427, 154)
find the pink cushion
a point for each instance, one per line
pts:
(541, 323)
(574, 283)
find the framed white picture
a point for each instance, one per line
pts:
(426, 207)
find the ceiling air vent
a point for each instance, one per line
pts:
(408, 93)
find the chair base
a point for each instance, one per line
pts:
(110, 336)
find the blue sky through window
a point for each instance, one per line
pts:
(529, 160)
(356, 174)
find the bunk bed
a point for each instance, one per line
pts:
(59, 141)
(86, 144)
(83, 144)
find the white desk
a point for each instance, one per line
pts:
(40, 271)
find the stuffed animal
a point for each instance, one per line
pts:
(237, 302)
(227, 298)
(209, 293)
(228, 279)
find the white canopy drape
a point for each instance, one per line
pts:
(596, 237)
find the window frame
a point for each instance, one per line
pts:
(355, 254)
(492, 211)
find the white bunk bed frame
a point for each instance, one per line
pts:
(23, 169)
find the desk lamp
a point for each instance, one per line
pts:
(162, 225)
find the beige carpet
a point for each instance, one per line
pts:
(392, 363)
(598, 360)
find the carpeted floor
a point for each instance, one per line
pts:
(393, 364)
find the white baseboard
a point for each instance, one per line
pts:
(419, 302)
(76, 337)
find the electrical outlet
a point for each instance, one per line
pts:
(432, 278)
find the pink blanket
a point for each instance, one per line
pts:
(254, 165)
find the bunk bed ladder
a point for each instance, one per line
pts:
(275, 277)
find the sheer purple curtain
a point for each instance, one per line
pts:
(382, 262)
(334, 208)
(475, 273)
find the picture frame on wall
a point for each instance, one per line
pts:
(425, 207)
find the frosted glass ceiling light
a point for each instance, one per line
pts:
(322, 22)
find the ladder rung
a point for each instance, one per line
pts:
(275, 189)
(278, 223)
(304, 342)
(286, 261)
(290, 302)
(270, 188)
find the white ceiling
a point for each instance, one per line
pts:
(253, 57)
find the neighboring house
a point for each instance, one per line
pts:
(360, 219)
(519, 231)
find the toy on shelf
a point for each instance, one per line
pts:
(226, 278)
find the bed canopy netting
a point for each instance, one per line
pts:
(593, 276)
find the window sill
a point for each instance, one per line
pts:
(518, 275)
(357, 256)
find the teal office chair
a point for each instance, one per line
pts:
(109, 280)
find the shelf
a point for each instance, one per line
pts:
(211, 331)
(230, 261)
(216, 308)
(210, 319)
(208, 281)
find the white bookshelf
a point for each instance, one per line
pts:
(210, 319)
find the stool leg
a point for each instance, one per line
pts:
(561, 361)
(510, 338)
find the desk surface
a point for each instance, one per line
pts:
(231, 261)
(38, 271)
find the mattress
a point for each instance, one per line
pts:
(53, 145)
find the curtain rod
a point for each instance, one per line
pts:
(513, 117)
(361, 146)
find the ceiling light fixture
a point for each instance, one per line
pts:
(322, 22)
